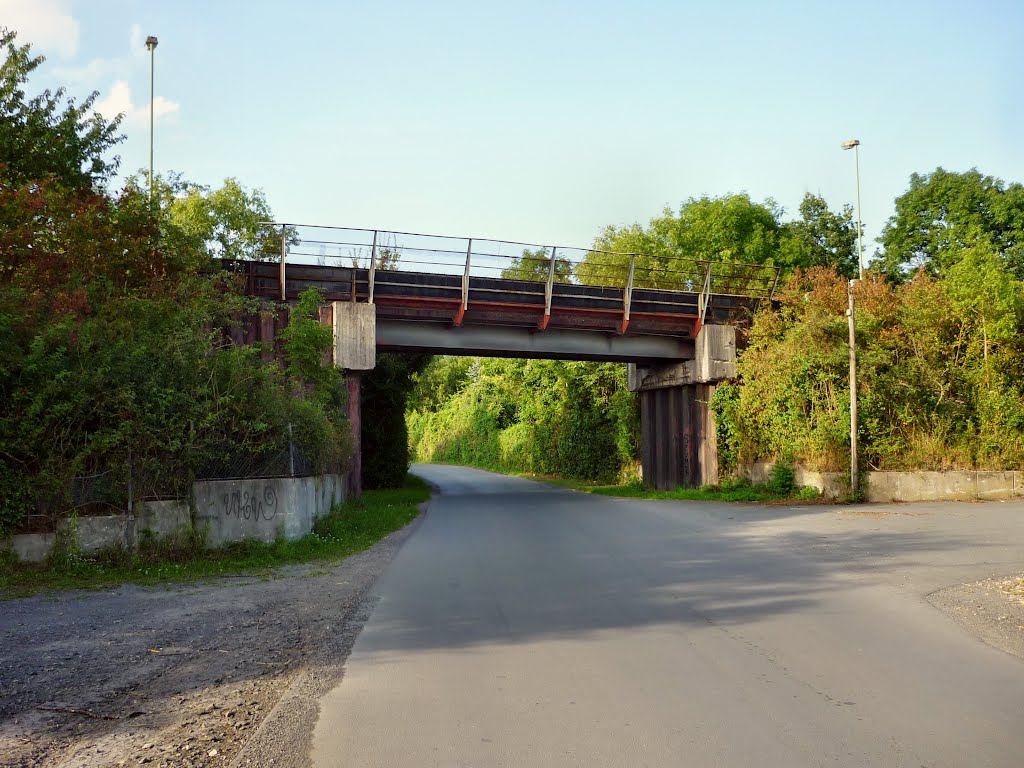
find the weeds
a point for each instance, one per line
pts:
(730, 489)
(347, 529)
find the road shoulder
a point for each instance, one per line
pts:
(987, 609)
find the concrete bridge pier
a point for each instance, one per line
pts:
(678, 439)
(355, 351)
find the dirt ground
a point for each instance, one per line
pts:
(993, 609)
(184, 675)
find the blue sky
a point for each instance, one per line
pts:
(545, 121)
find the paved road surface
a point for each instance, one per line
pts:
(525, 625)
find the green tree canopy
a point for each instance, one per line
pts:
(822, 237)
(114, 359)
(943, 214)
(534, 265)
(228, 222)
(49, 136)
(731, 229)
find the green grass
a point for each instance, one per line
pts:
(736, 492)
(347, 529)
(708, 493)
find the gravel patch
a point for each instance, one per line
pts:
(183, 675)
(992, 609)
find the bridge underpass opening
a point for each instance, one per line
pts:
(672, 320)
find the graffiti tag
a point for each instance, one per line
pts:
(251, 506)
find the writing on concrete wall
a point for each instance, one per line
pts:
(246, 505)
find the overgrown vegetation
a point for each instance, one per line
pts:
(548, 417)
(385, 438)
(349, 528)
(939, 374)
(115, 357)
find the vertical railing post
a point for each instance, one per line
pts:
(627, 293)
(284, 253)
(373, 268)
(705, 296)
(549, 288)
(465, 277)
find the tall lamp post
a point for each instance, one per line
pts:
(151, 43)
(853, 144)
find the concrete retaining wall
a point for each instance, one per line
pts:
(232, 510)
(904, 486)
(227, 510)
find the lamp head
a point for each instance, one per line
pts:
(151, 43)
(850, 144)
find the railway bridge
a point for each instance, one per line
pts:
(671, 320)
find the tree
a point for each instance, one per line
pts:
(229, 221)
(49, 136)
(113, 358)
(987, 298)
(731, 229)
(384, 435)
(534, 265)
(439, 381)
(943, 214)
(823, 238)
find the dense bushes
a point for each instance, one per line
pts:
(114, 352)
(544, 416)
(939, 373)
(384, 436)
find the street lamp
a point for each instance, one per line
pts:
(853, 144)
(151, 43)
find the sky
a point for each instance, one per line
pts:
(539, 120)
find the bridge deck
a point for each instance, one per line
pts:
(438, 298)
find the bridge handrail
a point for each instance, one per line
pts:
(546, 265)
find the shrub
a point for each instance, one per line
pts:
(782, 479)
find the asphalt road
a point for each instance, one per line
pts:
(525, 625)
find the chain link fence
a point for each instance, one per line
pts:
(117, 490)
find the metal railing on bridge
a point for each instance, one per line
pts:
(535, 269)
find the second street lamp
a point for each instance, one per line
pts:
(151, 43)
(854, 144)
(851, 322)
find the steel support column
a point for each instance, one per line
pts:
(355, 472)
(678, 441)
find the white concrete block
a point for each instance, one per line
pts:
(355, 335)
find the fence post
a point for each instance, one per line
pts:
(291, 452)
(129, 532)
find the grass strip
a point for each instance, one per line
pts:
(349, 528)
(737, 492)
(712, 493)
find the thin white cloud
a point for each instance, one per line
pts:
(92, 73)
(47, 24)
(137, 42)
(119, 100)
